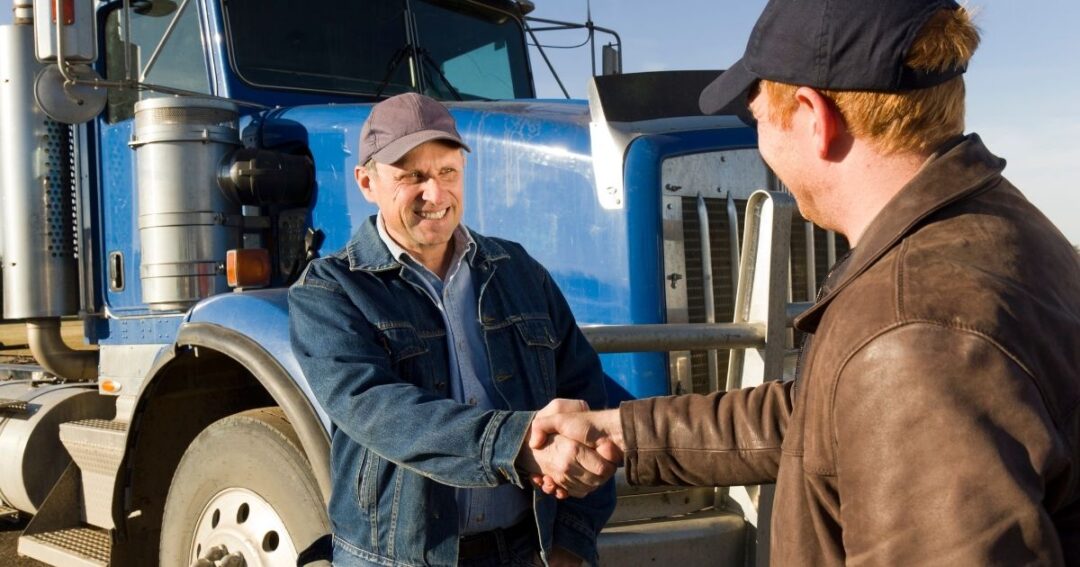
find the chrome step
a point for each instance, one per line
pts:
(97, 447)
(21, 372)
(8, 406)
(75, 547)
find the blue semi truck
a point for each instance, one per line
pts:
(170, 166)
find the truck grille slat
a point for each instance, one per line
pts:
(723, 278)
(725, 179)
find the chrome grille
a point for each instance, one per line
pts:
(807, 276)
(724, 280)
(710, 181)
(724, 277)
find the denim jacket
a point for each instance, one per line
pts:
(374, 351)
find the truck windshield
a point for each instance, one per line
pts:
(449, 50)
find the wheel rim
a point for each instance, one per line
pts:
(246, 524)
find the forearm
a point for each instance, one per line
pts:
(449, 442)
(722, 439)
(356, 382)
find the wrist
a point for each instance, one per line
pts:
(525, 462)
(610, 423)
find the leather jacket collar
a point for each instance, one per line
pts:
(961, 168)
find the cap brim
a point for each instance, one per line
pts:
(397, 149)
(728, 89)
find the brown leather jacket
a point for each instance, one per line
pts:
(935, 416)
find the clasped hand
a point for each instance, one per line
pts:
(570, 451)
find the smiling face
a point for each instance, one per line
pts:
(420, 198)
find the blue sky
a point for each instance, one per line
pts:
(1023, 84)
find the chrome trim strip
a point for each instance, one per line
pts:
(707, 287)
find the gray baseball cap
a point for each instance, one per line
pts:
(400, 123)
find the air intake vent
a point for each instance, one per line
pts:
(186, 223)
(59, 189)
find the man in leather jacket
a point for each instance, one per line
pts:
(934, 415)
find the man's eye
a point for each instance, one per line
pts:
(413, 177)
(448, 174)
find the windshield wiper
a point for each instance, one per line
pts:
(395, 61)
(435, 67)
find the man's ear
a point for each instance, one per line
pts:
(827, 124)
(363, 180)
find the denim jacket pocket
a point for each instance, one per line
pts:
(402, 341)
(365, 485)
(538, 334)
(407, 353)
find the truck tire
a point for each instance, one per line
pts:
(243, 487)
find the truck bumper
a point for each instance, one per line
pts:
(715, 538)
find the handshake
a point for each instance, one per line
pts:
(570, 451)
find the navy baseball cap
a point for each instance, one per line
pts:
(830, 44)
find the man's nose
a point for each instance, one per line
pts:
(433, 190)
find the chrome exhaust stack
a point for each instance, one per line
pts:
(38, 216)
(57, 357)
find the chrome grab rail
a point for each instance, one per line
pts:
(762, 312)
(665, 338)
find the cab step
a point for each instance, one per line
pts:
(21, 372)
(9, 406)
(77, 547)
(57, 535)
(97, 447)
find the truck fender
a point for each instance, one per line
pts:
(279, 384)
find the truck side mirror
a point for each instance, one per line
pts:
(156, 8)
(612, 60)
(65, 35)
(65, 31)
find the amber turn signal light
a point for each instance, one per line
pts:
(249, 267)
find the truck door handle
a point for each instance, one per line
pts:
(116, 271)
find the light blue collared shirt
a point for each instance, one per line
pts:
(479, 509)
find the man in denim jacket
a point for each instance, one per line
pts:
(430, 346)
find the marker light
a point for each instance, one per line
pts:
(68, 7)
(249, 267)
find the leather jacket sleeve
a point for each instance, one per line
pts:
(720, 439)
(944, 452)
